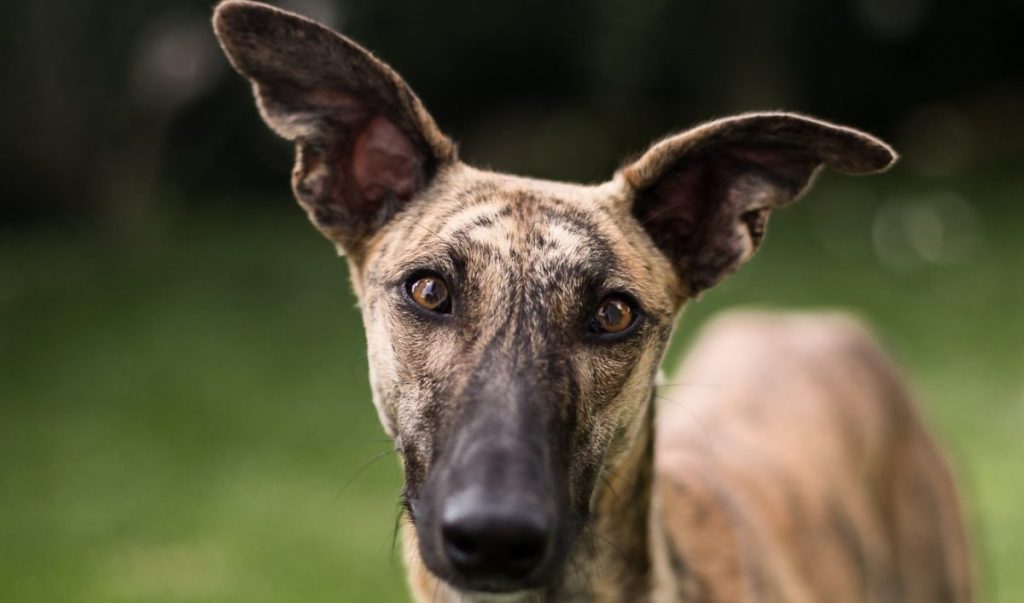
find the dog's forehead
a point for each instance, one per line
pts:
(507, 218)
(502, 226)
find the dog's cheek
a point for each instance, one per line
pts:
(417, 397)
(383, 363)
(414, 464)
(615, 389)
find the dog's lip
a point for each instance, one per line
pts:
(498, 587)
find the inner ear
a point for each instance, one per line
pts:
(704, 196)
(385, 163)
(709, 213)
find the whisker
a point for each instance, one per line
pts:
(436, 235)
(614, 546)
(437, 587)
(384, 440)
(667, 384)
(693, 415)
(361, 469)
(398, 524)
(611, 488)
(582, 577)
(657, 214)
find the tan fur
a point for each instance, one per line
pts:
(792, 466)
(788, 463)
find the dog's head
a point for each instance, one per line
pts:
(514, 325)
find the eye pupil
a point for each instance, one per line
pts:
(611, 313)
(429, 292)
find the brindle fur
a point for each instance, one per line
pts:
(788, 463)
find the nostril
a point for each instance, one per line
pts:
(485, 542)
(462, 547)
(526, 552)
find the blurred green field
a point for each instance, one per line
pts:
(179, 418)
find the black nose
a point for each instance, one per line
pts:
(492, 539)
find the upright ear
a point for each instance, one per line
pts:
(704, 195)
(364, 142)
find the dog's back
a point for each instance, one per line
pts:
(793, 466)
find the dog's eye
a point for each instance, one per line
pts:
(613, 315)
(430, 292)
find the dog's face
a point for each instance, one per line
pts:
(514, 330)
(514, 326)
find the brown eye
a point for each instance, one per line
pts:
(614, 315)
(430, 292)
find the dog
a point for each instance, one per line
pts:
(515, 329)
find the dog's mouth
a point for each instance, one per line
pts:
(487, 589)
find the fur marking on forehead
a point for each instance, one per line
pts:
(515, 217)
(538, 235)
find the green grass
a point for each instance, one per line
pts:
(178, 420)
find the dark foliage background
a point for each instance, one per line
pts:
(183, 400)
(108, 102)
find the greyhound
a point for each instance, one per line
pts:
(515, 329)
